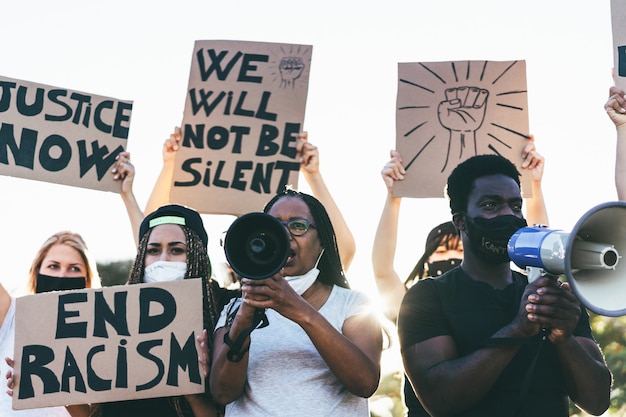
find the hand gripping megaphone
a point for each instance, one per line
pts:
(589, 256)
(256, 245)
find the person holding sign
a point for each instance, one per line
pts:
(62, 263)
(481, 340)
(308, 156)
(616, 110)
(172, 246)
(443, 244)
(322, 347)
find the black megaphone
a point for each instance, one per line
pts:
(256, 245)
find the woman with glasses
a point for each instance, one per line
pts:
(317, 350)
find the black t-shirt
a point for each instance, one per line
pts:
(150, 407)
(470, 312)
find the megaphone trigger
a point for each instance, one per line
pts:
(589, 256)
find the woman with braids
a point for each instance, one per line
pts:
(173, 246)
(318, 351)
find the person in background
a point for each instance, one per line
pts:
(443, 244)
(308, 156)
(481, 340)
(615, 108)
(62, 263)
(319, 352)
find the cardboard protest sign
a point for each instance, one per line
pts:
(618, 20)
(448, 112)
(244, 108)
(59, 135)
(109, 344)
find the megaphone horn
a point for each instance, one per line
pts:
(256, 245)
(589, 256)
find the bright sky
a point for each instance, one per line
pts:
(143, 53)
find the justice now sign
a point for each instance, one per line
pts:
(59, 135)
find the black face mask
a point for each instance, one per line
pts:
(489, 237)
(46, 283)
(439, 268)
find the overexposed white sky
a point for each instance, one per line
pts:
(141, 51)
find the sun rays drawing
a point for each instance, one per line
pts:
(449, 111)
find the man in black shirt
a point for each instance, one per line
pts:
(480, 340)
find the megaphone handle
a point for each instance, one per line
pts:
(532, 272)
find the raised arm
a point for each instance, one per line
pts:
(310, 169)
(389, 284)
(616, 109)
(123, 170)
(536, 212)
(160, 195)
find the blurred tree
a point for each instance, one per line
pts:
(114, 273)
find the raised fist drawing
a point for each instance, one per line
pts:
(462, 113)
(291, 69)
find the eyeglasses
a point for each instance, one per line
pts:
(298, 227)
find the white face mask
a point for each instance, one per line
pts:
(301, 283)
(163, 271)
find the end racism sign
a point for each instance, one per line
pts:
(60, 135)
(244, 109)
(109, 344)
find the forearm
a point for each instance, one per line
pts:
(385, 239)
(135, 215)
(357, 370)
(457, 384)
(536, 211)
(78, 410)
(227, 378)
(201, 405)
(588, 380)
(160, 195)
(620, 162)
(345, 239)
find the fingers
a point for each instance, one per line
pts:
(393, 169)
(616, 101)
(122, 167)
(553, 305)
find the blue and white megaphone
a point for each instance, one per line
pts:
(589, 256)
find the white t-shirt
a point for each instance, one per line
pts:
(286, 374)
(7, 336)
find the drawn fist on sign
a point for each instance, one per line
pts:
(462, 112)
(464, 109)
(291, 69)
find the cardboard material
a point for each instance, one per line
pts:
(244, 109)
(450, 111)
(618, 21)
(59, 135)
(109, 344)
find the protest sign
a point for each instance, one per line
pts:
(618, 17)
(108, 344)
(59, 135)
(245, 106)
(450, 111)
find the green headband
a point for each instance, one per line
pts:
(166, 220)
